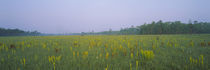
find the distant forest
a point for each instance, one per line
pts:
(17, 32)
(176, 27)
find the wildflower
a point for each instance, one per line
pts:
(22, 43)
(128, 44)
(120, 47)
(107, 67)
(107, 55)
(201, 59)
(191, 59)
(85, 54)
(131, 55)
(75, 43)
(137, 53)
(13, 51)
(73, 53)
(52, 59)
(77, 54)
(71, 48)
(23, 61)
(147, 54)
(130, 66)
(137, 64)
(44, 46)
(58, 58)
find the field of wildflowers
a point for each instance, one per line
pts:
(103, 52)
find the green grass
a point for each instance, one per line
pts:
(171, 52)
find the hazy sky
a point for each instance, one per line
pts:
(69, 16)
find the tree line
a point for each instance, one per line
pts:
(160, 27)
(176, 27)
(17, 32)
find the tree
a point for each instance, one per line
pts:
(16, 32)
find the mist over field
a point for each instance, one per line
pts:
(76, 16)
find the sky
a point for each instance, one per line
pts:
(75, 16)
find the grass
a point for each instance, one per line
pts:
(101, 52)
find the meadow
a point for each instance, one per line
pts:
(106, 52)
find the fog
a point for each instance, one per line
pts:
(75, 16)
